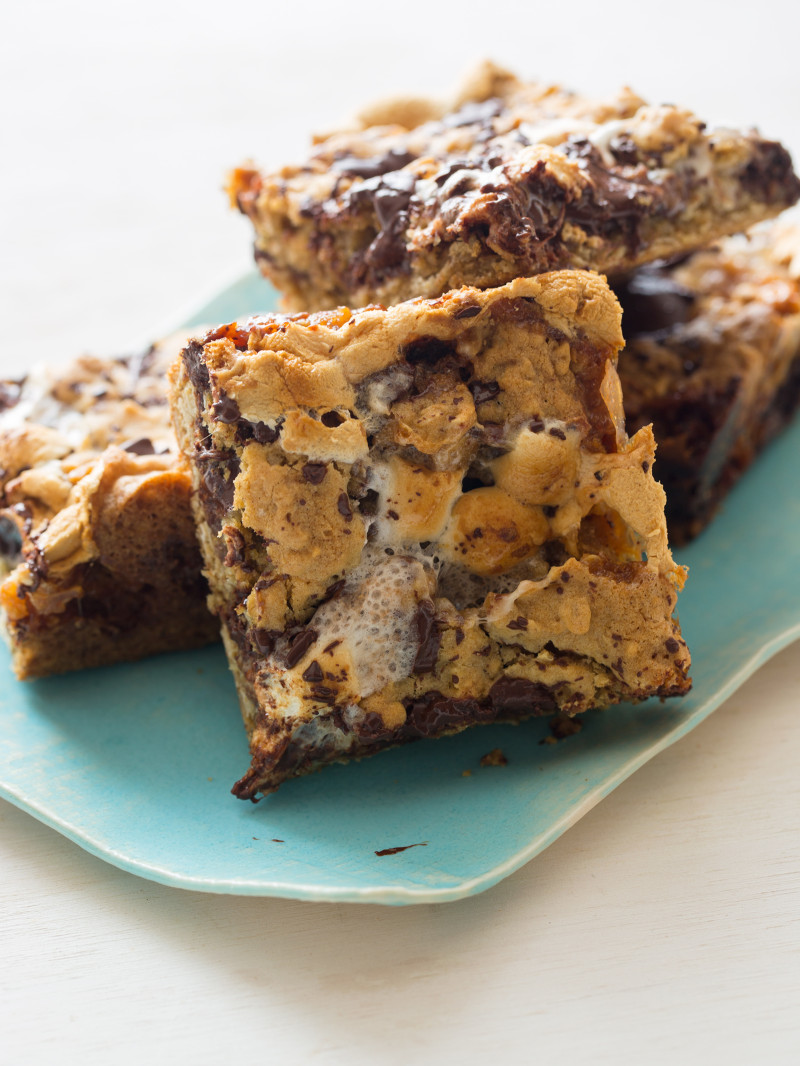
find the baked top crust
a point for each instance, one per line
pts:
(712, 360)
(509, 179)
(419, 518)
(97, 551)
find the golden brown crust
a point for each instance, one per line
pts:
(495, 551)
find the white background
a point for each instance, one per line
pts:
(662, 928)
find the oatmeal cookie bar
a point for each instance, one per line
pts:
(712, 360)
(98, 556)
(418, 519)
(510, 180)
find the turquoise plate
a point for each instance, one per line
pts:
(135, 762)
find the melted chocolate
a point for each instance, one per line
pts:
(434, 713)
(225, 410)
(517, 696)
(374, 167)
(652, 302)
(196, 368)
(218, 470)
(429, 639)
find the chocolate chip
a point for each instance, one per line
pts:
(298, 646)
(225, 410)
(343, 507)
(142, 446)
(314, 472)
(470, 311)
(332, 419)
(313, 673)
(555, 432)
(671, 645)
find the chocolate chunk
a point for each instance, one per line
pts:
(196, 368)
(313, 673)
(769, 174)
(517, 696)
(671, 645)
(652, 302)
(314, 473)
(470, 311)
(332, 591)
(483, 391)
(142, 446)
(298, 646)
(225, 410)
(343, 507)
(428, 351)
(429, 639)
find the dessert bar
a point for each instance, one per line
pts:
(712, 360)
(509, 180)
(422, 518)
(98, 556)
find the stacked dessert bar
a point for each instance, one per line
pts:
(421, 509)
(98, 558)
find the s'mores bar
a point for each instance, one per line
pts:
(422, 518)
(508, 180)
(712, 360)
(98, 557)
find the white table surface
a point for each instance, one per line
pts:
(664, 926)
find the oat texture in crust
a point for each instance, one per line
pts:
(98, 556)
(712, 360)
(507, 180)
(418, 519)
